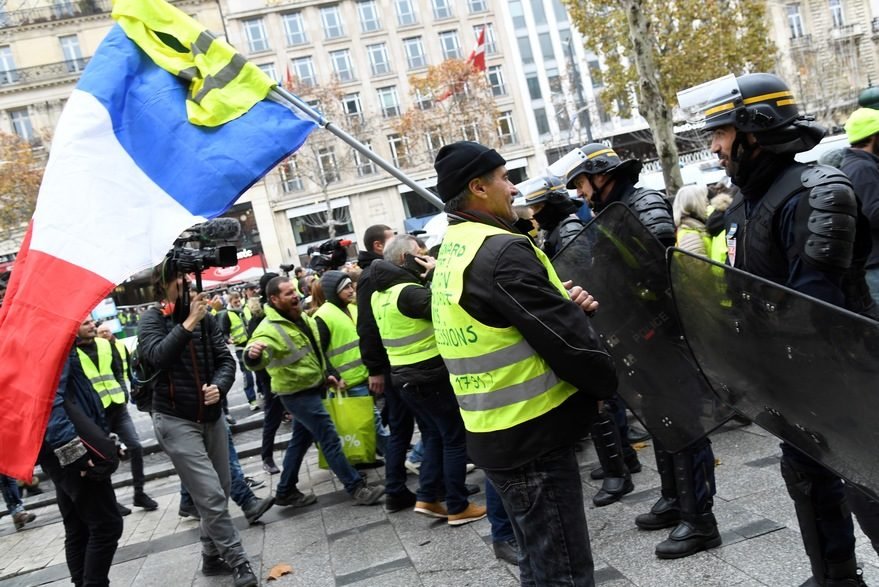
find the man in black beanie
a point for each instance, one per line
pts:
(526, 366)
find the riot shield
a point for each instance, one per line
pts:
(802, 369)
(623, 266)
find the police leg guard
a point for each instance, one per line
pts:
(866, 509)
(694, 479)
(801, 488)
(666, 512)
(617, 479)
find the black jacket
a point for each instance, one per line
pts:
(863, 169)
(413, 302)
(507, 285)
(187, 364)
(372, 352)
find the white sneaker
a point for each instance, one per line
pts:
(414, 468)
(471, 467)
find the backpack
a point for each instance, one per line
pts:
(143, 381)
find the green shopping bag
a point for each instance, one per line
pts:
(354, 420)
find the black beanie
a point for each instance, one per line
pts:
(458, 163)
(264, 281)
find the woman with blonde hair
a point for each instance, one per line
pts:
(690, 210)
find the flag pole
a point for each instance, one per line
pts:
(280, 94)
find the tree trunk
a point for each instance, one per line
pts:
(650, 101)
(331, 222)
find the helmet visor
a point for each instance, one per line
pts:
(567, 164)
(710, 99)
(534, 190)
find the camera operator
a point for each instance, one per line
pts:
(197, 370)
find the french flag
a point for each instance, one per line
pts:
(126, 175)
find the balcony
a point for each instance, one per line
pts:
(801, 43)
(848, 32)
(42, 73)
(59, 10)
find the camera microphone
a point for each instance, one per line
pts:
(221, 229)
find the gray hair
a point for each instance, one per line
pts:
(692, 201)
(397, 247)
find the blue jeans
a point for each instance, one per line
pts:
(402, 424)
(381, 431)
(239, 491)
(248, 376)
(119, 421)
(416, 455)
(11, 495)
(445, 443)
(312, 422)
(872, 276)
(545, 501)
(501, 527)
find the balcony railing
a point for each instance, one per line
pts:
(40, 73)
(801, 43)
(845, 32)
(59, 10)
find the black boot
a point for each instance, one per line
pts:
(213, 565)
(694, 480)
(845, 574)
(666, 512)
(630, 457)
(617, 480)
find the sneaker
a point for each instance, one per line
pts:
(230, 420)
(142, 500)
(254, 406)
(188, 511)
(295, 499)
(254, 483)
(22, 518)
(471, 514)
(433, 509)
(213, 565)
(507, 551)
(256, 508)
(397, 502)
(470, 467)
(368, 494)
(123, 511)
(243, 576)
(270, 467)
(412, 467)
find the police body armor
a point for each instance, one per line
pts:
(654, 211)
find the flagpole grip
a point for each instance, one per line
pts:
(285, 96)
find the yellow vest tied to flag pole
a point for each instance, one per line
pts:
(223, 85)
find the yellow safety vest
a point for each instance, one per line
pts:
(343, 350)
(101, 377)
(407, 340)
(498, 379)
(123, 354)
(237, 332)
(248, 315)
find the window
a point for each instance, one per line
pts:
(312, 228)
(836, 13)
(496, 80)
(533, 86)
(8, 73)
(294, 28)
(303, 69)
(490, 39)
(72, 54)
(269, 70)
(405, 13)
(525, 50)
(378, 59)
(595, 73)
(332, 22)
(21, 123)
(433, 140)
(326, 162)
(795, 21)
(558, 8)
(368, 12)
(470, 132)
(538, 12)
(399, 150)
(415, 206)
(257, 40)
(449, 43)
(442, 9)
(414, 52)
(517, 13)
(476, 6)
(423, 101)
(506, 130)
(390, 105)
(63, 8)
(342, 65)
(291, 181)
(351, 104)
(562, 118)
(364, 164)
(542, 122)
(546, 47)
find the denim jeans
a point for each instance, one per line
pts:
(501, 527)
(545, 501)
(240, 492)
(119, 421)
(402, 424)
(381, 431)
(273, 414)
(11, 495)
(248, 376)
(416, 455)
(311, 422)
(872, 276)
(445, 443)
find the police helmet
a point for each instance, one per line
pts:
(603, 159)
(538, 190)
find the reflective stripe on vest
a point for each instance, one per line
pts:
(343, 350)
(101, 376)
(498, 379)
(236, 328)
(407, 340)
(296, 353)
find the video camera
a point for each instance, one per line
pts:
(329, 255)
(205, 245)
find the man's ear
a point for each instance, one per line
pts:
(476, 187)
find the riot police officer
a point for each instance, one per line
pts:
(687, 477)
(799, 226)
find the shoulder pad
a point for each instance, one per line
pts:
(568, 229)
(832, 219)
(654, 211)
(816, 175)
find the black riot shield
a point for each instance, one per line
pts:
(623, 266)
(802, 369)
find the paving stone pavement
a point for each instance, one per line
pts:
(334, 543)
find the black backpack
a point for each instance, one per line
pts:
(143, 381)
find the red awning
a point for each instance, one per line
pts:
(247, 269)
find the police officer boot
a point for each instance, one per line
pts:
(617, 479)
(666, 512)
(844, 574)
(697, 529)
